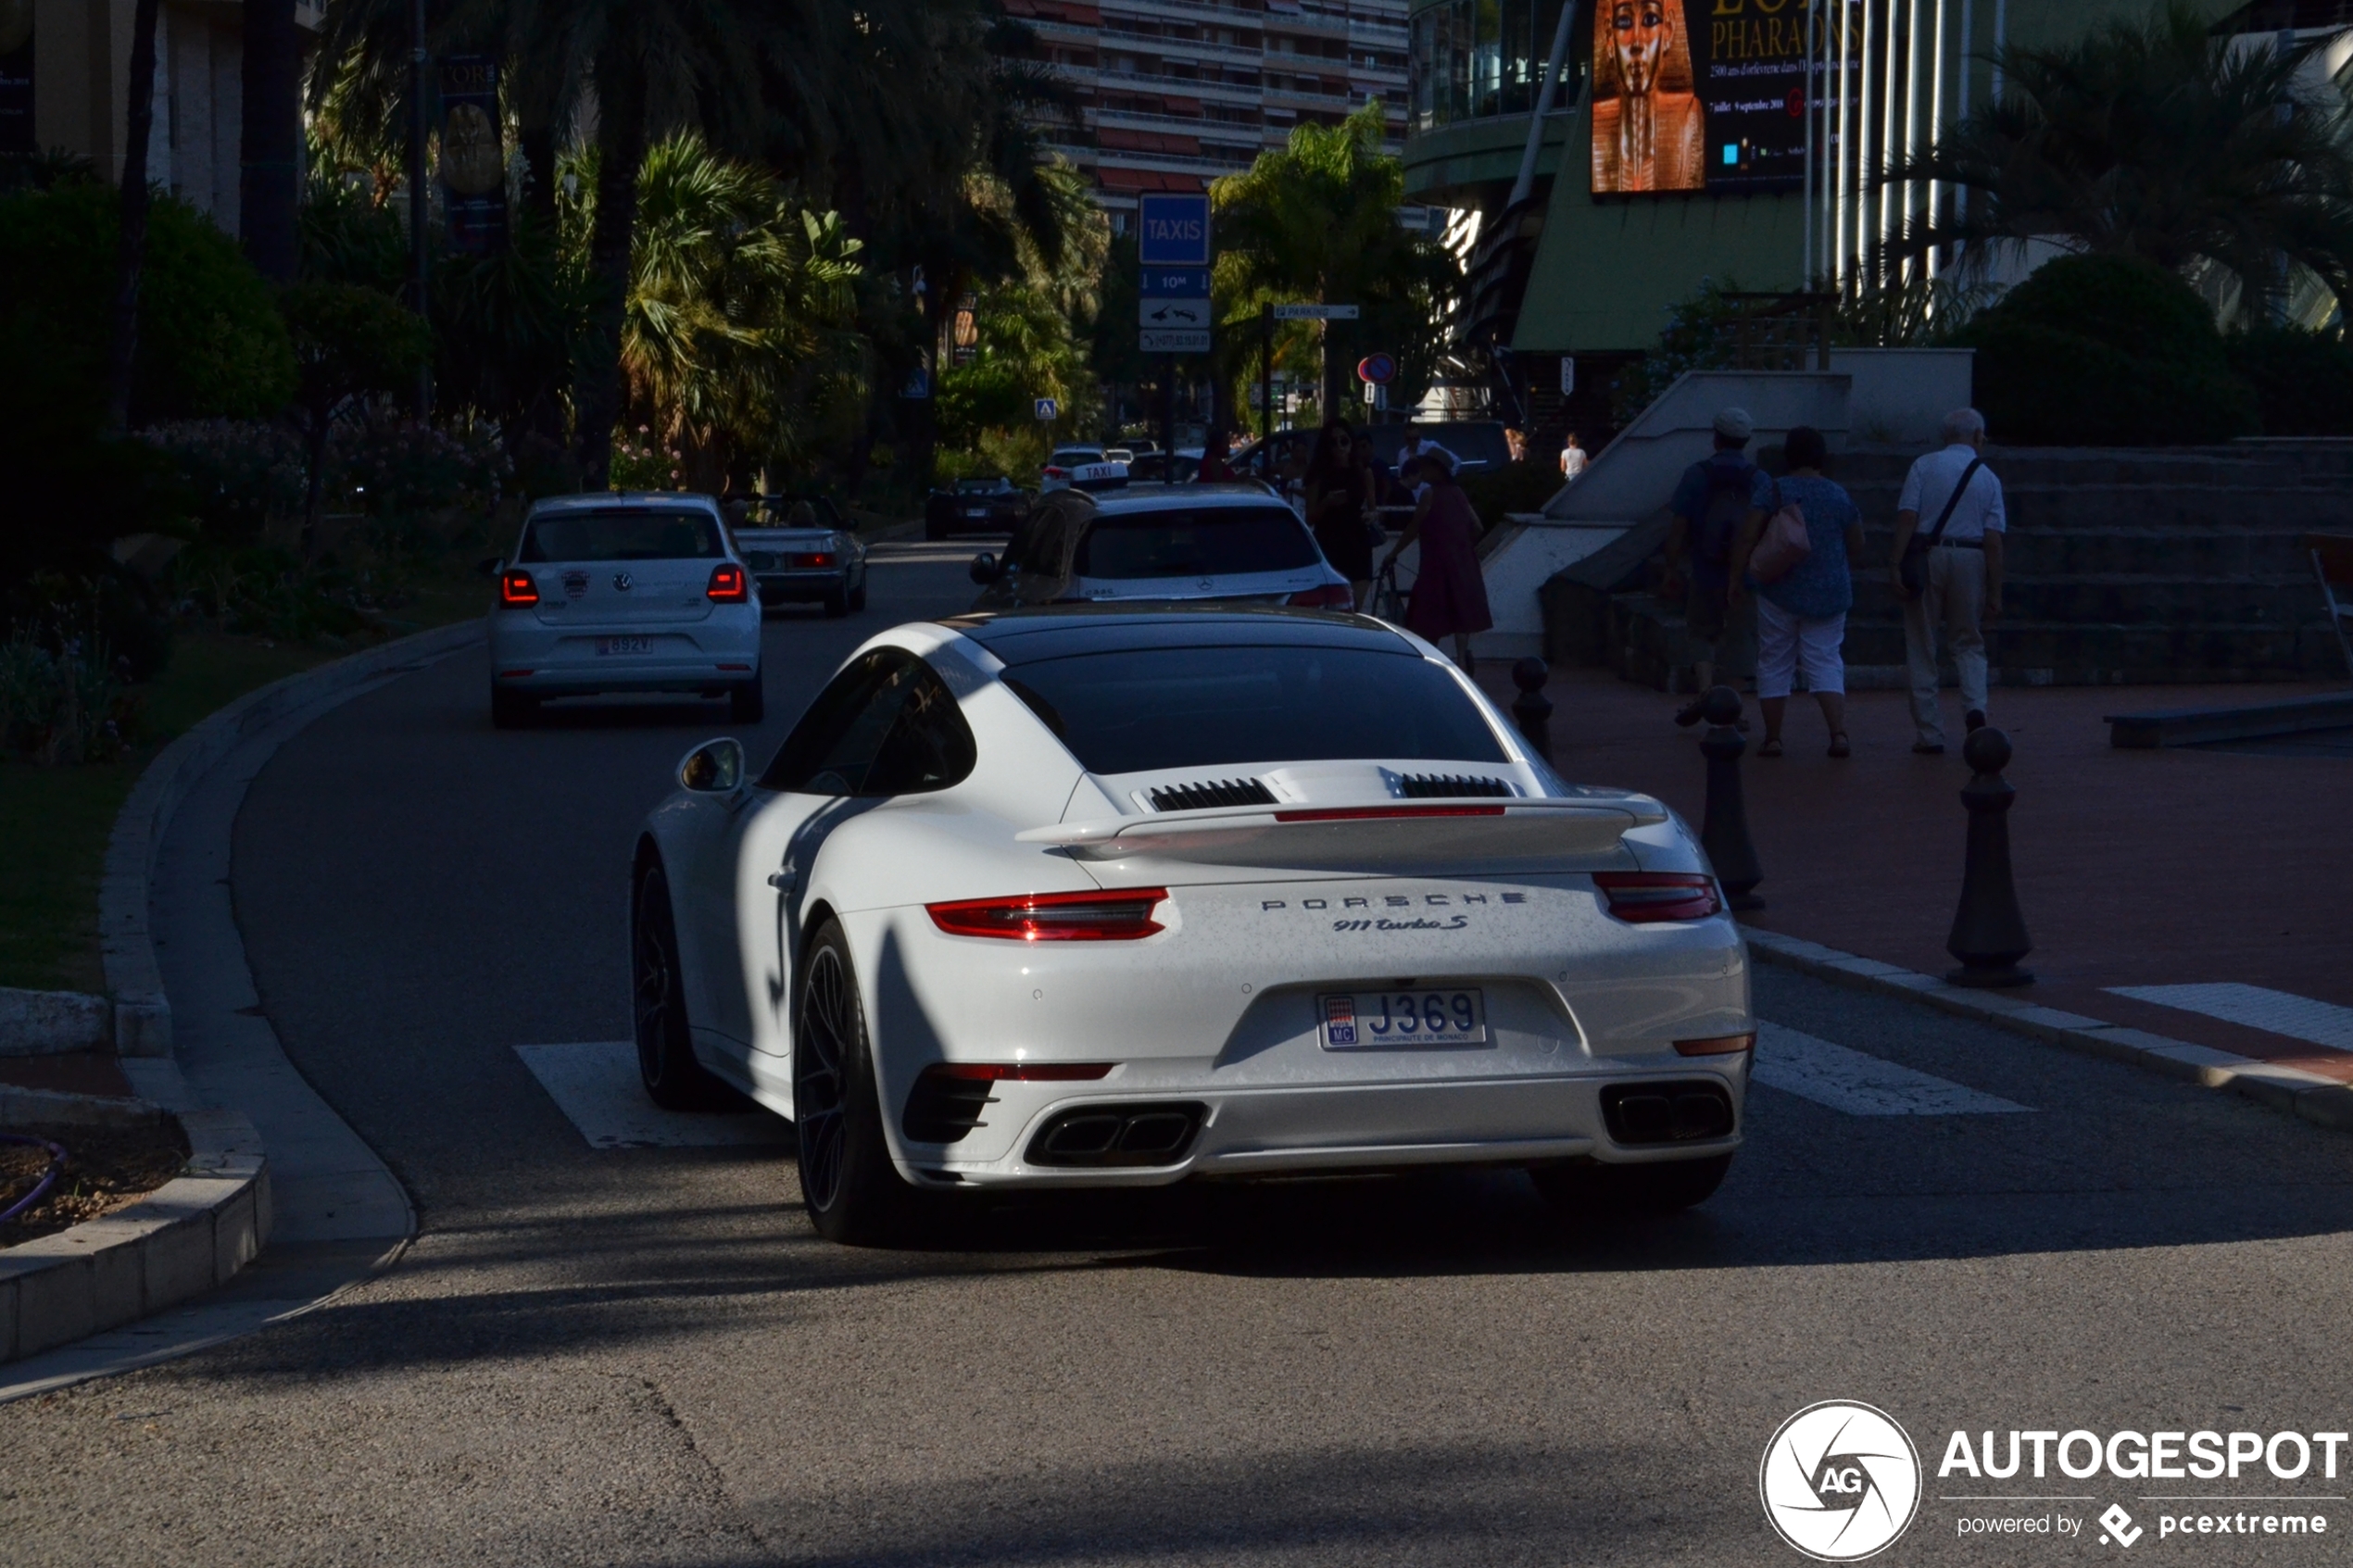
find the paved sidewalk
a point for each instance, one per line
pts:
(2135, 869)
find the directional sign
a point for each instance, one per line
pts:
(1173, 313)
(1174, 282)
(1378, 368)
(1315, 313)
(1047, 411)
(1161, 341)
(1171, 231)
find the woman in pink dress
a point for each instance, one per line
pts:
(1450, 596)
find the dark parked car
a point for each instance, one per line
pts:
(974, 505)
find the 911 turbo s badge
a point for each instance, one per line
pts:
(1456, 905)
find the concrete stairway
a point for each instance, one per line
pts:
(2124, 567)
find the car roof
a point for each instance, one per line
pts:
(607, 500)
(1026, 636)
(1153, 496)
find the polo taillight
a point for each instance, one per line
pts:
(516, 588)
(1329, 595)
(727, 584)
(1653, 897)
(1120, 916)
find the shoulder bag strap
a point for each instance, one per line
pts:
(1954, 500)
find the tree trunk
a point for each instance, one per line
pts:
(122, 352)
(266, 192)
(620, 146)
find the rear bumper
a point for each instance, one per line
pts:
(1286, 1131)
(709, 654)
(801, 587)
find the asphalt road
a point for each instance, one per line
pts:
(646, 1356)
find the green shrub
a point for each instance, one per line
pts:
(2107, 351)
(2303, 380)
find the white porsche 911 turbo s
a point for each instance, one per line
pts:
(1084, 897)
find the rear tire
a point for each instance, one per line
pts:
(512, 711)
(748, 704)
(858, 597)
(853, 1193)
(666, 1063)
(1586, 1189)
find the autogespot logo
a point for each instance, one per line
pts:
(1840, 1481)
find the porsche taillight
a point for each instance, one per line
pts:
(1119, 916)
(1328, 595)
(728, 585)
(1653, 897)
(516, 589)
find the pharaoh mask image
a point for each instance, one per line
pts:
(1649, 123)
(1641, 30)
(470, 163)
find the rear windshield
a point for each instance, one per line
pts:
(1210, 542)
(623, 534)
(1158, 709)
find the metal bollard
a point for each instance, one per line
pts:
(1532, 711)
(1724, 831)
(1989, 933)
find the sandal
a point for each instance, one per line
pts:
(1772, 747)
(1839, 747)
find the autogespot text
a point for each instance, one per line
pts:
(2152, 1456)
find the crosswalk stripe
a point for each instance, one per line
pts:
(2280, 1012)
(596, 1086)
(1860, 1084)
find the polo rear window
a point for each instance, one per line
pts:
(623, 534)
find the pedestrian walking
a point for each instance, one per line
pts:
(1716, 500)
(1949, 575)
(1572, 457)
(1216, 454)
(1450, 594)
(1340, 495)
(1801, 597)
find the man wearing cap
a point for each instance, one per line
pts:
(1963, 501)
(1716, 500)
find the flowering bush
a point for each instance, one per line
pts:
(239, 474)
(61, 705)
(400, 468)
(641, 462)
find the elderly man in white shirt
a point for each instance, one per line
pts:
(1964, 588)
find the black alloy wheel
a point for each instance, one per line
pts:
(666, 1063)
(853, 1193)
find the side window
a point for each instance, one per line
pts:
(887, 725)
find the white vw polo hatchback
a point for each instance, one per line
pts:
(623, 592)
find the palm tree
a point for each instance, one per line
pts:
(738, 335)
(1317, 221)
(2155, 139)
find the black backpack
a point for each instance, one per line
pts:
(1730, 492)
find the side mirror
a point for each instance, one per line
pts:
(491, 566)
(985, 569)
(716, 767)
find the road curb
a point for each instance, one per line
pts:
(191, 1234)
(2290, 1090)
(141, 1012)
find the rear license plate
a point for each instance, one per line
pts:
(1376, 1019)
(609, 646)
(977, 511)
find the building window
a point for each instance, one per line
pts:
(1475, 59)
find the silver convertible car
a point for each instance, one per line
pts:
(1088, 897)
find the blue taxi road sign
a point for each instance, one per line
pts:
(1175, 283)
(1171, 231)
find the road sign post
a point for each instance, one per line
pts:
(1266, 379)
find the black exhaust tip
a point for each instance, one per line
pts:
(1666, 1113)
(1116, 1136)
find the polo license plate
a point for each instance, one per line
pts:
(608, 647)
(1389, 1020)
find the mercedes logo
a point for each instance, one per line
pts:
(622, 581)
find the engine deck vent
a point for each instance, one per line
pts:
(1449, 786)
(1216, 792)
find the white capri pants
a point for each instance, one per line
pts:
(1787, 643)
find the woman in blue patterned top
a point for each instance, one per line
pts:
(1801, 615)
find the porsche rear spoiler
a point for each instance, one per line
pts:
(1451, 832)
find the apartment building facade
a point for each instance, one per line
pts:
(1173, 93)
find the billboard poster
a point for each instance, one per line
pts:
(1698, 95)
(473, 157)
(16, 77)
